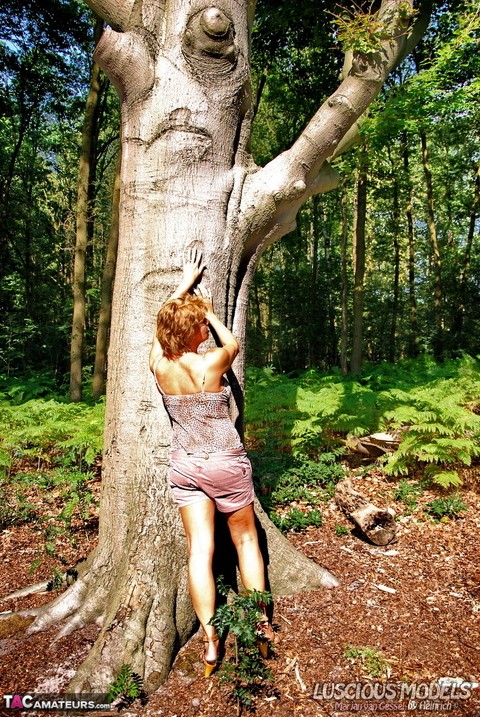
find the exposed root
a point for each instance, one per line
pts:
(59, 609)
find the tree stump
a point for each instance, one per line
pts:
(377, 524)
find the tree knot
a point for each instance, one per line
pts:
(341, 101)
(209, 41)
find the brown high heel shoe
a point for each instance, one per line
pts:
(209, 665)
(265, 635)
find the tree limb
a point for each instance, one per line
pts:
(117, 14)
(127, 61)
(273, 194)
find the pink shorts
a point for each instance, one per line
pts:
(224, 477)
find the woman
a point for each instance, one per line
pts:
(209, 469)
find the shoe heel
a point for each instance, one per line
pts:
(210, 668)
(209, 665)
(264, 637)
(263, 648)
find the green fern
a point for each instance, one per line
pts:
(34, 428)
(127, 687)
(436, 406)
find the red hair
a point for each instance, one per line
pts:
(177, 323)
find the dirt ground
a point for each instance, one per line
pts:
(415, 603)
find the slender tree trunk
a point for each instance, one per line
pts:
(313, 334)
(392, 349)
(413, 341)
(466, 268)
(98, 385)
(328, 310)
(436, 259)
(360, 217)
(344, 279)
(83, 221)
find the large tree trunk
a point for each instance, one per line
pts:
(188, 180)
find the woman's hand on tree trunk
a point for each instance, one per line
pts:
(204, 293)
(193, 268)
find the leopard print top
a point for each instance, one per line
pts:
(201, 421)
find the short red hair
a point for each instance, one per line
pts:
(177, 322)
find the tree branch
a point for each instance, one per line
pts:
(127, 61)
(273, 194)
(117, 14)
(414, 35)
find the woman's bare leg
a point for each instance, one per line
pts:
(199, 523)
(243, 531)
(244, 535)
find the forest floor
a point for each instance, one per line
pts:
(407, 613)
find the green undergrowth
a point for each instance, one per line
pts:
(50, 452)
(370, 659)
(435, 408)
(296, 430)
(246, 675)
(50, 433)
(291, 486)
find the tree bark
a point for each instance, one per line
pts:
(467, 258)
(187, 180)
(99, 369)
(436, 258)
(344, 275)
(83, 221)
(413, 341)
(360, 218)
(377, 524)
(392, 349)
(313, 342)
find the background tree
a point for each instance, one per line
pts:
(188, 179)
(84, 219)
(438, 96)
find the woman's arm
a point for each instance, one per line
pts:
(156, 353)
(220, 358)
(192, 269)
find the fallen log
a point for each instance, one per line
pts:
(377, 524)
(376, 444)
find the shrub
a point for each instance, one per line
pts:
(246, 673)
(448, 507)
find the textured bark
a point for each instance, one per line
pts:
(83, 220)
(105, 314)
(359, 263)
(188, 180)
(377, 524)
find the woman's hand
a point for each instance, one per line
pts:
(193, 267)
(204, 293)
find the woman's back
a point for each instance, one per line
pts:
(197, 402)
(190, 373)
